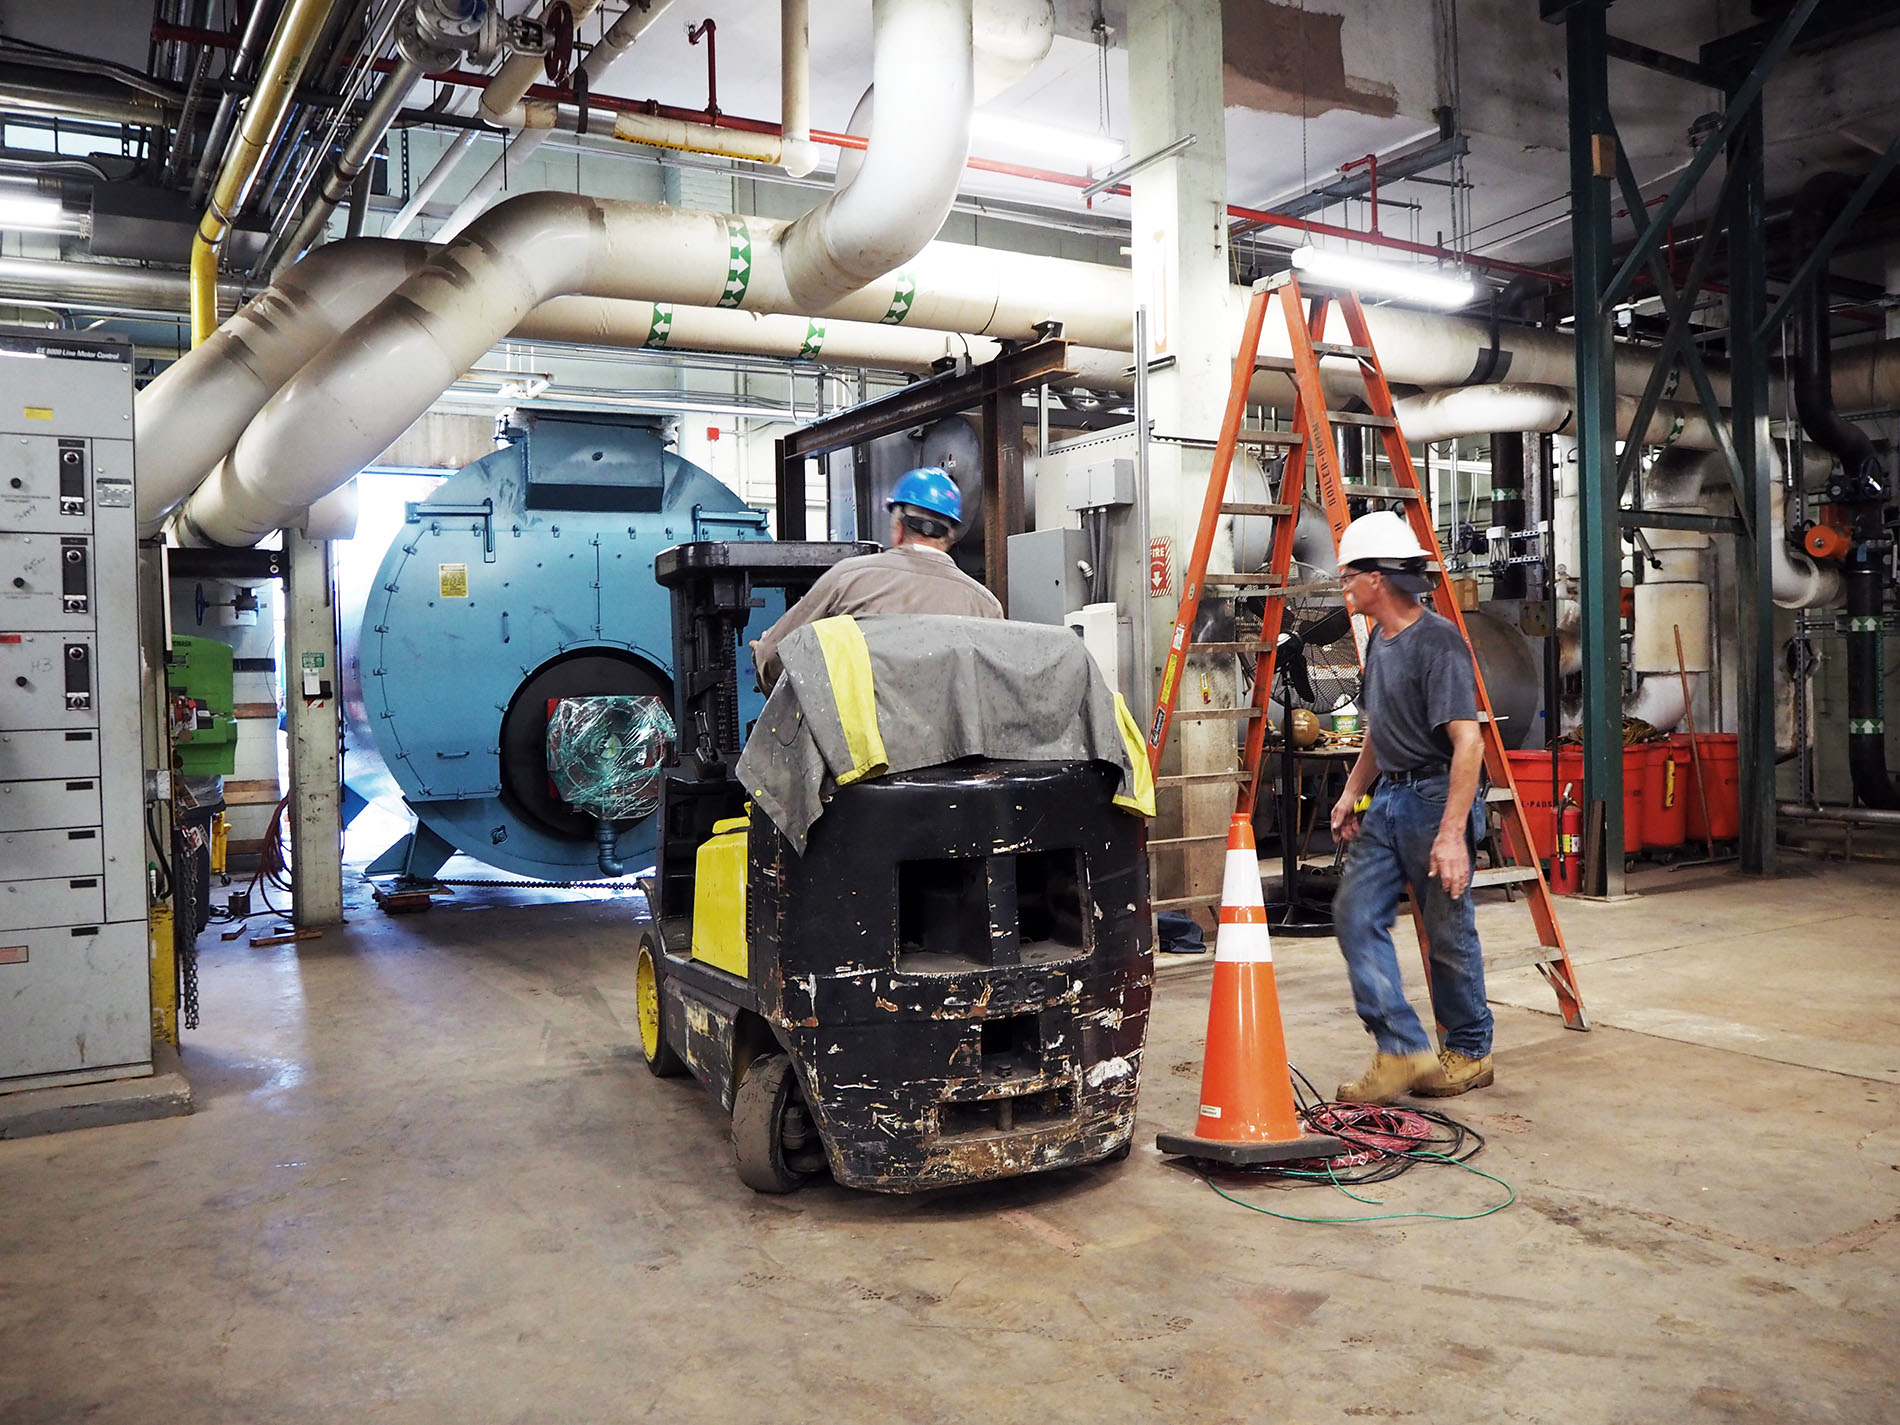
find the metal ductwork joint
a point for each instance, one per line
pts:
(1862, 489)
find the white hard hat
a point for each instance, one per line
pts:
(1379, 537)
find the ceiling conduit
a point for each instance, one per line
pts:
(635, 21)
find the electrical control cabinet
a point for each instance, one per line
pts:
(75, 982)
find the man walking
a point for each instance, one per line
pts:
(1423, 744)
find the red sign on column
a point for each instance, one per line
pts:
(1160, 567)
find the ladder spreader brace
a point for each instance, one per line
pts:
(1312, 433)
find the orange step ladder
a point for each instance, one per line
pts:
(1311, 436)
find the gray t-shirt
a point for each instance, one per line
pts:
(1415, 683)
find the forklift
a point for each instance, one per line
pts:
(951, 985)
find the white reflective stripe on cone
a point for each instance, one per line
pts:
(1243, 945)
(1240, 886)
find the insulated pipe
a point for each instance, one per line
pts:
(256, 26)
(354, 158)
(367, 386)
(196, 408)
(635, 21)
(799, 155)
(298, 30)
(1478, 410)
(1507, 507)
(897, 200)
(1866, 581)
(432, 182)
(1846, 816)
(505, 90)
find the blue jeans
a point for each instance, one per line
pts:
(1393, 850)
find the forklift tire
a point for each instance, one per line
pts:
(767, 1103)
(661, 1061)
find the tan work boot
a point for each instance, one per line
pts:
(1453, 1074)
(1390, 1076)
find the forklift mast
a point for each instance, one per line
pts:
(714, 586)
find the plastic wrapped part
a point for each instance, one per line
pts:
(606, 755)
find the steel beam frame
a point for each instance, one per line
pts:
(1741, 102)
(994, 389)
(1599, 581)
(1817, 259)
(1595, 156)
(1748, 405)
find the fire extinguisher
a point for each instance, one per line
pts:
(1566, 867)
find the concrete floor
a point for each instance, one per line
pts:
(429, 1180)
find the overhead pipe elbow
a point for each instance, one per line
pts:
(886, 212)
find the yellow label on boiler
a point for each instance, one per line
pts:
(453, 579)
(39, 413)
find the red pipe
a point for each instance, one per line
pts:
(1371, 164)
(613, 104)
(710, 30)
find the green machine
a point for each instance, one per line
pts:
(204, 720)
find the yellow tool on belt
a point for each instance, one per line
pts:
(1363, 805)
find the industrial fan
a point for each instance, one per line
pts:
(1316, 669)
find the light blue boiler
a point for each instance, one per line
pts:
(523, 579)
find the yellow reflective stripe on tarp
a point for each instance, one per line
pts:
(1142, 775)
(848, 666)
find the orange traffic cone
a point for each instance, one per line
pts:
(1247, 1112)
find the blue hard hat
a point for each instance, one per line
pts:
(930, 489)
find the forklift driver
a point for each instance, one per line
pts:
(914, 576)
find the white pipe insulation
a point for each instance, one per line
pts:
(1478, 410)
(896, 202)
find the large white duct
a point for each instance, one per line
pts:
(897, 200)
(195, 410)
(1479, 410)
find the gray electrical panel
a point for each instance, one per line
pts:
(75, 978)
(1046, 583)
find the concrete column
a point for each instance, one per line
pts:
(1179, 241)
(310, 664)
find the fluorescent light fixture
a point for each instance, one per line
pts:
(1425, 286)
(991, 132)
(31, 212)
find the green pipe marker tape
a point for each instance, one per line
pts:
(738, 262)
(814, 339)
(660, 329)
(902, 300)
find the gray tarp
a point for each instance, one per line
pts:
(945, 688)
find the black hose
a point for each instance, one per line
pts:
(606, 841)
(1863, 479)
(1861, 487)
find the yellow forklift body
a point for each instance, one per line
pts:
(719, 898)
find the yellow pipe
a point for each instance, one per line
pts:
(296, 35)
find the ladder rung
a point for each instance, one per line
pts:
(1497, 794)
(1205, 714)
(1356, 418)
(1186, 840)
(1518, 959)
(1231, 508)
(1182, 902)
(1197, 779)
(1239, 649)
(1379, 492)
(1285, 363)
(1293, 591)
(1288, 438)
(1237, 581)
(1502, 876)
